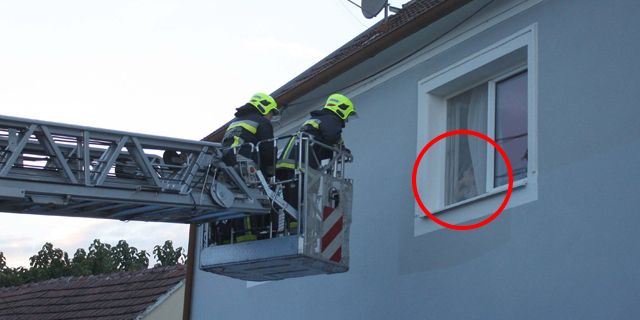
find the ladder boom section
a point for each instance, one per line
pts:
(59, 169)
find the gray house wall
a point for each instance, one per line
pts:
(571, 254)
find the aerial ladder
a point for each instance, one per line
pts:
(49, 168)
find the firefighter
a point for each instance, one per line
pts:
(252, 124)
(325, 126)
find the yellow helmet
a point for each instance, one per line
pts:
(264, 103)
(340, 105)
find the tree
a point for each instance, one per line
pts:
(6, 278)
(49, 263)
(126, 258)
(21, 275)
(10, 276)
(3, 261)
(80, 265)
(167, 256)
(100, 258)
(52, 262)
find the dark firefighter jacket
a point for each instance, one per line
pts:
(249, 126)
(324, 126)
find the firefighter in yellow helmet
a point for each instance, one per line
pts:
(252, 124)
(325, 125)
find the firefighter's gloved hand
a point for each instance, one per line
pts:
(269, 172)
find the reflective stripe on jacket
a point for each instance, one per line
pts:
(249, 126)
(325, 127)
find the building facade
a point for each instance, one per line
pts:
(552, 81)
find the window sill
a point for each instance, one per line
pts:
(461, 213)
(516, 185)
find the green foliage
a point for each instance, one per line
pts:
(49, 263)
(167, 256)
(5, 277)
(128, 258)
(12, 276)
(100, 258)
(3, 262)
(80, 264)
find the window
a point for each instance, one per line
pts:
(473, 167)
(493, 92)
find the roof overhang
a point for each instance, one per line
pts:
(414, 16)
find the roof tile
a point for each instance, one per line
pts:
(121, 295)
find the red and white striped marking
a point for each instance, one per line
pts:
(332, 235)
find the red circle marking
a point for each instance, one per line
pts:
(416, 194)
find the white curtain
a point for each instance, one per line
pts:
(466, 159)
(477, 121)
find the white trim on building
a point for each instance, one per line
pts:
(515, 53)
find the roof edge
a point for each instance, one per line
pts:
(378, 45)
(160, 300)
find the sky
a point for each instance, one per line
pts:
(169, 68)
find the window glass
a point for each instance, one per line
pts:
(511, 127)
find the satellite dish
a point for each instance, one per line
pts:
(371, 8)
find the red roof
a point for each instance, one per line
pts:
(123, 295)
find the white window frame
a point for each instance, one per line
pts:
(433, 93)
